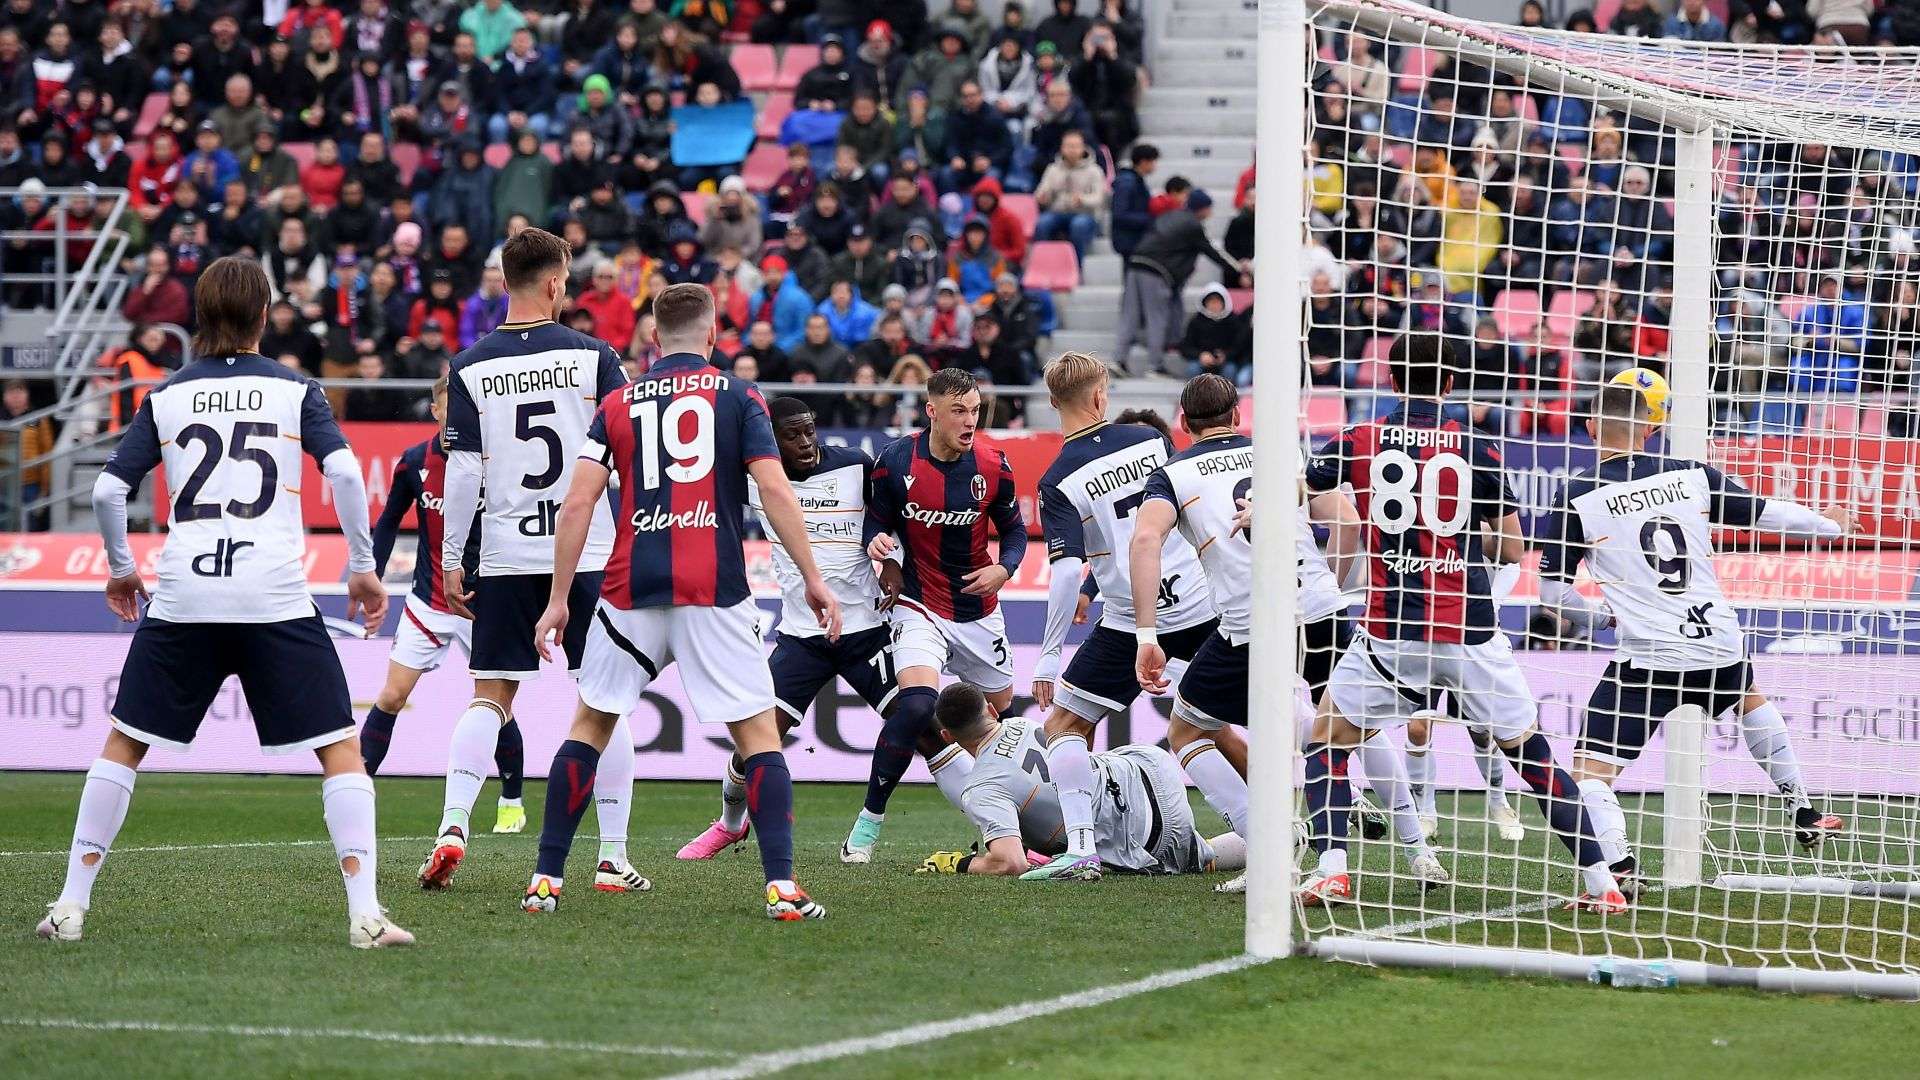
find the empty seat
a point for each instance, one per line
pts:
(1517, 312)
(1023, 208)
(773, 114)
(151, 110)
(765, 162)
(1051, 265)
(755, 66)
(1564, 310)
(406, 158)
(496, 154)
(795, 62)
(696, 204)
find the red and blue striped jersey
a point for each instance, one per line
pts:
(420, 482)
(1424, 484)
(680, 440)
(939, 510)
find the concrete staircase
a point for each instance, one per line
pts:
(1200, 112)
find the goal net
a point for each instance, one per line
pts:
(1742, 223)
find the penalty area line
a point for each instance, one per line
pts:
(405, 1038)
(765, 1064)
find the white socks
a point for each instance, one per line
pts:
(613, 792)
(347, 803)
(1387, 776)
(950, 768)
(1608, 820)
(469, 762)
(1072, 767)
(1420, 767)
(1765, 731)
(1224, 789)
(103, 806)
(733, 797)
(1487, 756)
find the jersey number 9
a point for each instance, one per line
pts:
(1433, 493)
(665, 429)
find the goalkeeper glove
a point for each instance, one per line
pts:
(945, 862)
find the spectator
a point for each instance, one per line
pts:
(862, 265)
(1013, 22)
(1829, 338)
(805, 261)
(940, 68)
(608, 222)
(1471, 234)
(1006, 78)
(1108, 85)
(664, 209)
(686, 260)
(849, 317)
(405, 254)
(1007, 234)
(827, 220)
(117, 72)
(903, 206)
(485, 309)
(106, 159)
(1019, 321)
(28, 441)
(818, 355)
(1604, 336)
(210, 165)
(909, 373)
(689, 62)
(767, 355)
(921, 130)
(373, 29)
(946, 328)
(470, 71)
(524, 84)
(878, 67)
(492, 24)
(150, 183)
(1694, 22)
(828, 85)
(625, 63)
(978, 146)
(1072, 193)
(609, 122)
(293, 258)
(868, 133)
(918, 267)
(1156, 274)
(1058, 113)
(989, 359)
(217, 58)
(351, 330)
(463, 194)
(612, 310)
(642, 351)
(387, 305)
(375, 170)
(1238, 243)
(524, 185)
(793, 189)
(1065, 29)
(268, 168)
(887, 345)
(781, 303)
(733, 220)
(310, 114)
(649, 20)
(966, 16)
(365, 101)
(974, 264)
(1219, 341)
(1131, 195)
(323, 176)
(375, 403)
(579, 172)
(856, 192)
(862, 408)
(1049, 66)
(158, 297)
(1636, 18)
(438, 303)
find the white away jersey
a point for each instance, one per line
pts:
(1205, 483)
(1319, 594)
(1009, 793)
(833, 497)
(1087, 501)
(230, 432)
(1644, 526)
(522, 397)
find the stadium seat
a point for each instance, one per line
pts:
(1024, 208)
(696, 204)
(1242, 299)
(1051, 265)
(300, 152)
(1325, 412)
(1415, 66)
(765, 163)
(755, 66)
(552, 150)
(151, 110)
(1563, 312)
(496, 154)
(1603, 13)
(1517, 312)
(773, 114)
(795, 62)
(1574, 156)
(1399, 155)
(1791, 307)
(406, 158)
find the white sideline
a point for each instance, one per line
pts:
(236, 845)
(779, 1060)
(498, 1042)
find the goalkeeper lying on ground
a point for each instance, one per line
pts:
(1142, 822)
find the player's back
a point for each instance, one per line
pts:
(230, 432)
(1009, 791)
(1647, 524)
(1088, 499)
(833, 500)
(680, 438)
(523, 396)
(1205, 483)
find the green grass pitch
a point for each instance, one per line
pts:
(254, 937)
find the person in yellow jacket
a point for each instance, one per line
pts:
(1470, 234)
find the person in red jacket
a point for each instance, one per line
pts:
(1004, 231)
(158, 297)
(322, 177)
(613, 315)
(302, 18)
(438, 303)
(151, 181)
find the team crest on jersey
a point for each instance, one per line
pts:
(979, 488)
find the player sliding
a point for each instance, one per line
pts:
(1643, 524)
(683, 441)
(831, 483)
(518, 403)
(933, 494)
(1425, 485)
(232, 595)
(1145, 823)
(428, 628)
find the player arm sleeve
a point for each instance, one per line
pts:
(342, 471)
(1063, 596)
(110, 510)
(1563, 544)
(387, 529)
(1090, 588)
(612, 376)
(460, 499)
(993, 810)
(1792, 519)
(1009, 521)
(138, 452)
(1560, 594)
(883, 514)
(1328, 469)
(320, 432)
(1732, 504)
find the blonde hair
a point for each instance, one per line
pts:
(1071, 376)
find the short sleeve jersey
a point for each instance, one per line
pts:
(1205, 483)
(940, 510)
(833, 500)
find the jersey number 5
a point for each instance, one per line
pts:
(1404, 492)
(665, 429)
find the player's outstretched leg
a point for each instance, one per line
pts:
(469, 758)
(346, 802)
(1765, 732)
(1561, 802)
(1421, 768)
(104, 798)
(376, 736)
(1327, 794)
(900, 735)
(731, 826)
(1386, 774)
(1070, 764)
(613, 806)
(770, 806)
(1486, 757)
(510, 758)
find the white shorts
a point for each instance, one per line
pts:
(1383, 684)
(424, 635)
(723, 664)
(975, 652)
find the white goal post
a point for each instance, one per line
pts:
(1742, 219)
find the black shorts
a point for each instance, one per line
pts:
(1214, 690)
(1321, 643)
(1628, 704)
(1099, 681)
(506, 607)
(804, 666)
(288, 670)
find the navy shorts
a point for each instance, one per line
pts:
(804, 666)
(1214, 690)
(288, 670)
(1628, 704)
(505, 610)
(1099, 681)
(1321, 644)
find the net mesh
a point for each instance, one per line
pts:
(1525, 194)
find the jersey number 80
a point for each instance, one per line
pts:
(1403, 491)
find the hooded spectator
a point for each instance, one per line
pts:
(1217, 340)
(918, 266)
(1006, 233)
(828, 85)
(940, 69)
(464, 191)
(1108, 84)
(974, 264)
(608, 221)
(609, 121)
(733, 219)
(664, 209)
(1006, 78)
(686, 259)
(781, 303)
(805, 260)
(903, 206)
(524, 185)
(1065, 29)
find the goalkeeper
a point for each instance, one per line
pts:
(1141, 820)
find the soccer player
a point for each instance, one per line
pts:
(232, 594)
(1425, 485)
(933, 494)
(428, 628)
(1146, 825)
(831, 483)
(1088, 498)
(518, 401)
(1644, 524)
(683, 441)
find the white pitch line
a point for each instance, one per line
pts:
(765, 1064)
(235, 846)
(1435, 922)
(496, 1042)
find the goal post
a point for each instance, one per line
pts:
(1742, 220)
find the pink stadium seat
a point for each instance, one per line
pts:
(755, 66)
(773, 114)
(1527, 108)
(1399, 155)
(1791, 307)
(1242, 299)
(1517, 312)
(1051, 265)
(1376, 348)
(1573, 156)
(496, 154)
(1372, 373)
(150, 112)
(1325, 413)
(406, 158)
(1416, 66)
(136, 152)
(795, 62)
(765, 163)
(1023, 208)
(552, 150)
(300, 152)
(1603, 13)
(696, 204)
(1563, 312)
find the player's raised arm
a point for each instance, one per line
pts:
(135, 457)
(460, 497)
(1151, 524)
(1733, 505)
(1344, 545)
(782, 508)
(1066, 556)
(883, 511)
(320, 437)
